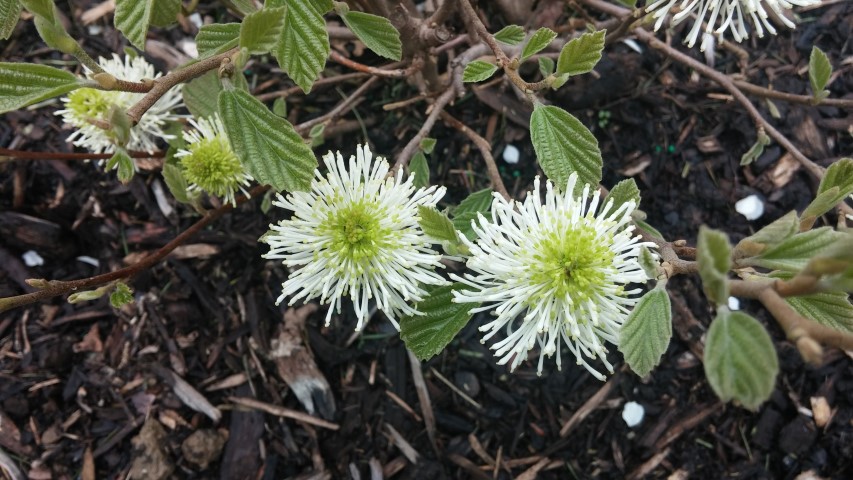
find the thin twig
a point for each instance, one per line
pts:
(283, 412)
(753, 89)
(416, 65)
(22, 154)
(485, 150)
(339, 109)
(409, 150)
(263, 97)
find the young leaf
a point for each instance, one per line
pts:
(436, 224)
(510, 35)
(564, 145)
(428, 144)
(10, 11)
(41, 8)
(836, 185)
(419, 168)
(623, 192)
(794, 253)
(466, 212)
(304, 43)
(279, 107)
(478, 70)
(581, 54)
(546, 66)
(819, 72)
(740, 361)
(132, 18)
(756, 150)
(267, 144)
(647, 331)
(121, 296)
(376, 33)
(714, 257)
(23, 84)
(122, 161)
(774, 233)
(649, 263)
(832, 309)
(216, 38)
(88, 295)
(176, 182)
(259, 31)
(426, 335)
(648, 228)
(540, 39)
(164, 12)
(316, 135)
(202, 94)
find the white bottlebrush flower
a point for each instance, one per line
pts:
(356, 233)
(209, 163)
(554, 270)
(723, 15)
(85, 104)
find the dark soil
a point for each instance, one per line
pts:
(90, 392)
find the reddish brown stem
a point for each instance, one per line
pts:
(22, 154)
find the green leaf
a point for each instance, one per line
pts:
(714, 258)
(540, 39)
(819, 72)
(832, 309)
(648, 262)
(510, 35)
(376, 33)
(426, 335)
(564, 145)
(648, 228)
(428, 145)
(41, 8)
(740, 361)
(624, 192)
(165, 12)
(581, 54)
(756, 150)
(88, 295)
(279, 107)
(260, 31)
(202, 94)
(122, 161)
(466, 212)
(10, 11)
(121, 296)
(647, 331)
(216, 38)
(23, 84)
(132, 18)
(176, 182)
(546, 66)
(304, 43)
(243, 7)
(436, 224)
(478, 70)
(773, 234)
(419, 168)
(316, 135)
(267, 144)
(794, 253)
(835, 186)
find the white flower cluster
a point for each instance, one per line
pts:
(86, 104)
(723, 15)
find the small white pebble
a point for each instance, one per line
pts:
(95, 30)
(633, 414)
(196, 20)
(734, 303)
(91, 261)
(750, 207)
(32, 259)
(511, 154)
(633, 45)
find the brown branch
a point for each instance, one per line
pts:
(55, 288)
(409, 150)
(339, 109)
(753, 89)
(263, 97)
(485, 150)
(22, 154)
(417, 64)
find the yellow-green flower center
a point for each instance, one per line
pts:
(90, 103)
(573, 263)
(356, 232)
(213, 166)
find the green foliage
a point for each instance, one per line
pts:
(132, 18)
(832, 309)
(793, 253)
(646, 333)
(123, 163)
(581, 54)
(164, 12)
(436, 225)
(121, 296)
(376, 33)
(426, 335)
(478, 70)
(648, 228)
(216, 38)
(546, 66)
(202, 94)
(260, 31)
(23, 84)
(428, 145)
(624, 192)
(756, 150)
(303, 45)
(564, 145)
(540, 39)
(772, 234)
(819, 72)
(41, 8)
(835, 186)
(316, 135)
(714, 258)
(466, 212)
(54, 35)
(10, 11)
(419, 168)
(267, 144)
(176, 182)
(88, 295)
(510, 35)
(740, 361)
(648, 262)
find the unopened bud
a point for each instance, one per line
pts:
(105, 80)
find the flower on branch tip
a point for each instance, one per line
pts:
(209, 163)
(85, 105)
(356, 233)
(554, 271)
(723, 15)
